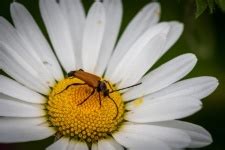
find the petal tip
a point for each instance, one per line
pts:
(191, 56)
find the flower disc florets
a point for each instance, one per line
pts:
(90, 121)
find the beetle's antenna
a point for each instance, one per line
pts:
(125, 87)
(117, 109)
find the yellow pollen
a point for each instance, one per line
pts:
(88, 121)
(138, 102)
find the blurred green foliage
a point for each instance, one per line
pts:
(221, 4)
(202, 5)
(204, 36)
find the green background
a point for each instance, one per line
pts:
(204, 36)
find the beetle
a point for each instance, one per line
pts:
(96, 83)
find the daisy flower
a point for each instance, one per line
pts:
(93, 109)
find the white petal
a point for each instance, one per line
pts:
(23, 133)
(173, 137)
(94, 146)
(28, 29)
(163, 76)
(11, 107)
(142, 140)
(75, 15)
(59, 33)
(137, 141)
(176, 28)
(15, 66)
(61, 144)
(160, 149)
(163, 109)
(136, 48)
(136, 68)
(14, 89)
(93, 36)
(16, 72)
(146, 18)
(109, 144)
(199, 136)
(199, 87)
(11, 122)
(114, 12)
(72, 144)
(9, 37)
(81, 146)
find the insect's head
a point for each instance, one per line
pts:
(101, 86)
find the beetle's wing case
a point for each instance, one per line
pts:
(91, 79)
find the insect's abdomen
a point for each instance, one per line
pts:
(91, 79)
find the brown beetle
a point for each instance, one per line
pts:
(95, 83)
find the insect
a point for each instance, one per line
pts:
(96, 84)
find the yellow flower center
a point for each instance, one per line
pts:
(89, 120)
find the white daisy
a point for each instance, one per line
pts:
(40, 102)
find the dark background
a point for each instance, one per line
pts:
(204, 36)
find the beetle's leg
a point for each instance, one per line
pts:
(74, 84)
(100, 100)
(117, 109)
(93, 91)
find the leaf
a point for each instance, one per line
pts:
(221, 4)
(211, 5)
(201, 7)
